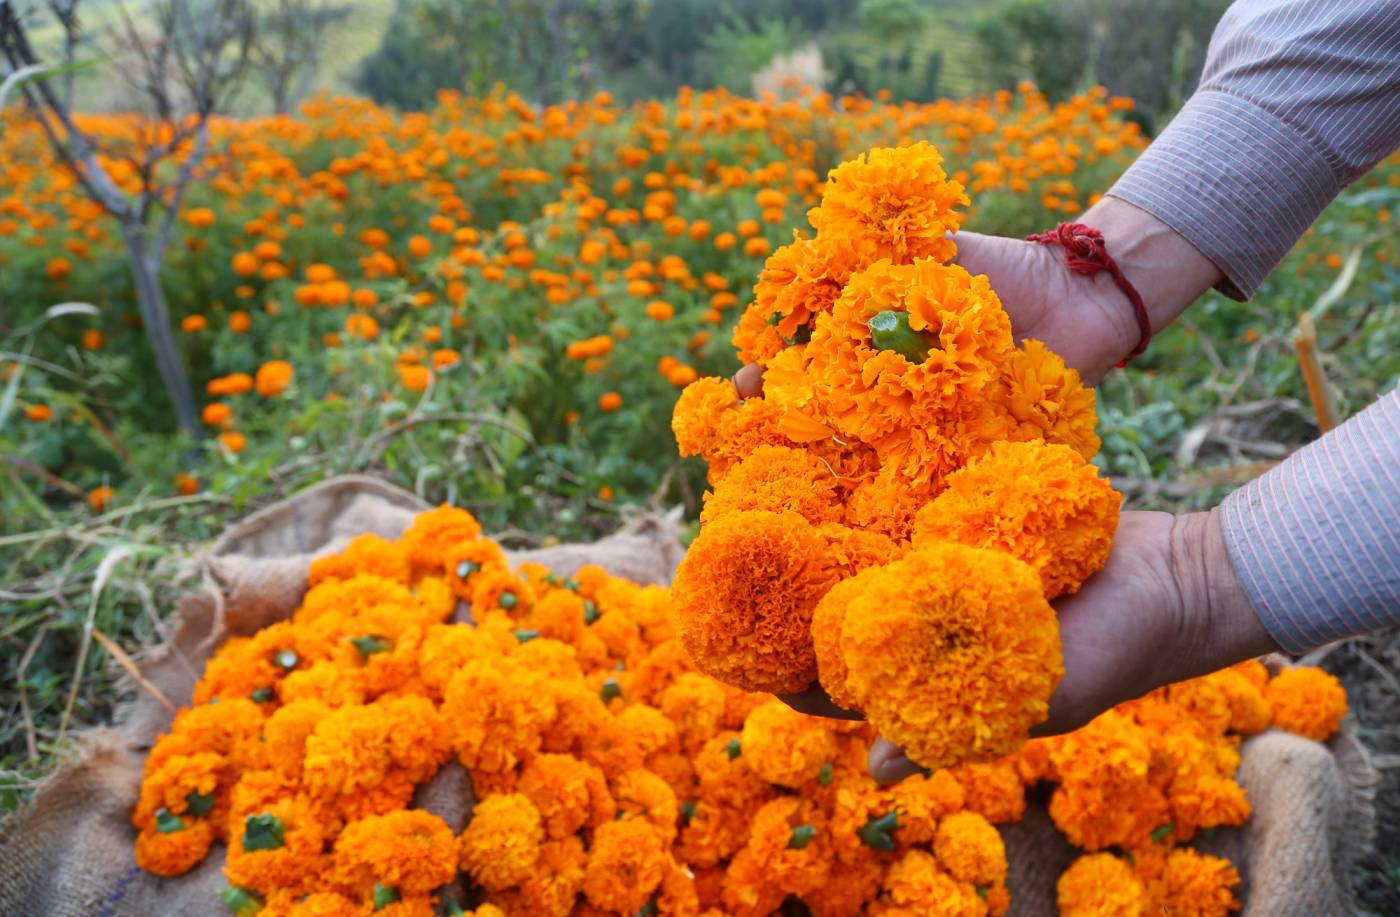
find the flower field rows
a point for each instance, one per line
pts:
(565, 271)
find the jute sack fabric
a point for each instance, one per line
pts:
(69, 852)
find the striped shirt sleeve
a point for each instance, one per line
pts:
(1298, 98)
(1316, 540)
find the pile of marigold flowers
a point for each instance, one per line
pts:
(611, 777)
(896, 512)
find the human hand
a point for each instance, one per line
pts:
(1166, 607)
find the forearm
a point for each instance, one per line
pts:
(1315, 542)
(1298, 98)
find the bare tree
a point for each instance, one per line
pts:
(287, 48)
(183, 59)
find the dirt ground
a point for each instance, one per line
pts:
(1370, 669)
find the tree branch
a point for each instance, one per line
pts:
(181, 183)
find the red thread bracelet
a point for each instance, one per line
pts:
(1085, 253)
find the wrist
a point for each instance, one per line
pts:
(1168, 272)
(1225, 628)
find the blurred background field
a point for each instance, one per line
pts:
(477, 248)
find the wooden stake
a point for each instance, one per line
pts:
(1305, 343)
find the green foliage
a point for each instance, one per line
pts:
(734, 50)
(1144, 49)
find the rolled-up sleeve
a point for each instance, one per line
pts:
(1298, 99)
(1316, 540)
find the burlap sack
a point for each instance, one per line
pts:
(70, 851)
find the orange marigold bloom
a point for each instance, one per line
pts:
(1194, 885)
(502, 841)
(695, 418)
(1042, 504)
(93, 339)
(971, 849)
(1307, 701)
(434, 532)
(192, 323)
(1044, 399)
(233, 441)
(273, 377)
(744, 598)
(798, 282)
(99, 498)
(277, 847)
(916, 884)
(626, 864)
(659, 310)
(892, 203)
(174, 853)
(217, 414)
(777, 478)
(904, 353)
(786, 747)
(609, 401)
(496, 711)
(568, 793)
(410, 850)
(1100, 885)
(952, 652)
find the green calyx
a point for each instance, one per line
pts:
(733, 749)
(801, 836)
(384, 895)
(825, 775)
(369, 644)
(687, 812)
(981, 891)
(240, 901)
(525, 636)
(889, 330)
(878, 833)
(168, 822)
(610, 690)
(263, 695)
(262, 832)
(1160, 835)
(198, 804)
(648, 909)
(508, 600)
(590, 611)
(466, 568)
(285, 659)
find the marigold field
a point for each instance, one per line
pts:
(497, 306)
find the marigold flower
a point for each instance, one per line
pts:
(786, 747)
(273, 377)
(410, 851)
(175, 852)
(1045, 400)
(1100, 885)
(695, 418)
(1195, 885)
(917, 885)
(892, 203)
(277, 848)
(1307, 701)
(568, 793)
(625, 865)
(99, 498)
(434, 532)
(609, 401)
(744, 598)
(502, 841)
(952, 653)
(971, 849)
(1042, 504)
(778, 478)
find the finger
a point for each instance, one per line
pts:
(887, 764)
(815, 702)
(748, 381)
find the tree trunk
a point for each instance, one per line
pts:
(156, 320)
